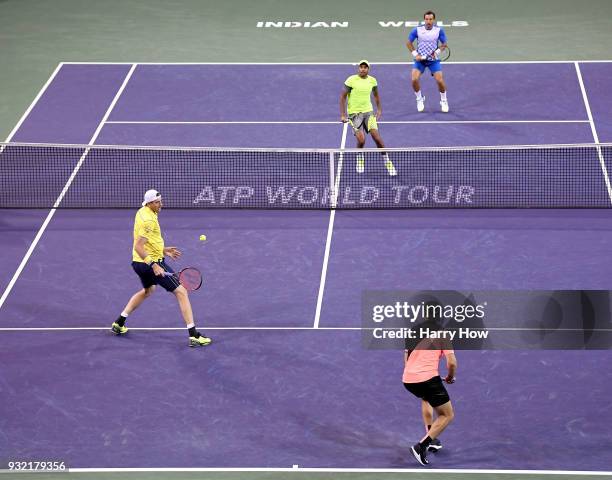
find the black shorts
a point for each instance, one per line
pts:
(432, 391)
(148, 278)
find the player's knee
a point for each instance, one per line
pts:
(448, 414)
(148, 291)
(181, 292)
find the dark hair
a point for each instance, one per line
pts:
(429, 12)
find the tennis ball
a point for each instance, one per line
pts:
(202, 238)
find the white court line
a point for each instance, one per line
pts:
(315, 328)
(471, 471)
(483, 62)
(182, 329)
(43, 227)
(34, 102)
(32, 105)
(330, 231)
(323, 122)
(602, 162)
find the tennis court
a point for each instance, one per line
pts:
(287, 387)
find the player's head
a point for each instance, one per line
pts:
(364, 68)
(153, 200)
(429, 17)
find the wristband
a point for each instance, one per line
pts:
(437, 52)
(415, 53)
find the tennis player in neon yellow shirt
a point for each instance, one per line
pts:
(148, 262)
(358, 89)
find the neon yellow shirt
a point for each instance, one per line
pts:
(146, 225)
(359, 96)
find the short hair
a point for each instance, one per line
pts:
(429, 12)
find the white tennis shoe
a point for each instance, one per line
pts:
(444, 106)
(420, 104)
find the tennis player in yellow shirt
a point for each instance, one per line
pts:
(148, 263)
(358, 89)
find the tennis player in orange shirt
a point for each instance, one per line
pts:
(421, 378)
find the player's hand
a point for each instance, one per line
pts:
(343, 119)
(157, 270)
(172, 252)
(449, 379)
(436, 54)
(421, 58)
(378, 114)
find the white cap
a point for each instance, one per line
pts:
(151, 196)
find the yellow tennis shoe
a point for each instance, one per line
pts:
(118, 329)
(200, 341)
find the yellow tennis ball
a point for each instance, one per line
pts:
(202, 238)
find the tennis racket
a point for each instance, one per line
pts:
(189, 277)
(432, 53)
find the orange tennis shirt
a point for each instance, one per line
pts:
(423, 363)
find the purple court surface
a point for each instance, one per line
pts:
(287, 380)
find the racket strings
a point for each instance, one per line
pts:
(190, 278)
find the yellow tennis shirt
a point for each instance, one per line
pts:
(146, 225)
(359, 95)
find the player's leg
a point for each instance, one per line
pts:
(196, 339)
(358, 126)
(148, 281)
(172, 285)
(416, 77)
(439, 77)
(445, 416)
(427, 412)
(138, 298)
(360, 138)
(417, 71)
(182, 297)
(373, 130)
(118, 325)
(433, 392)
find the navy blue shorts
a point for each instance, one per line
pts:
(148, 278)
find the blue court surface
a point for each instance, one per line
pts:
(287, 381)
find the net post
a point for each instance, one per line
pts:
(332, 182)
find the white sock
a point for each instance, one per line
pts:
(443, 96)
(124, 315)
(191, 325)
(418, 95)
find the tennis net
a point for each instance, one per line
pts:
(81, 176)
